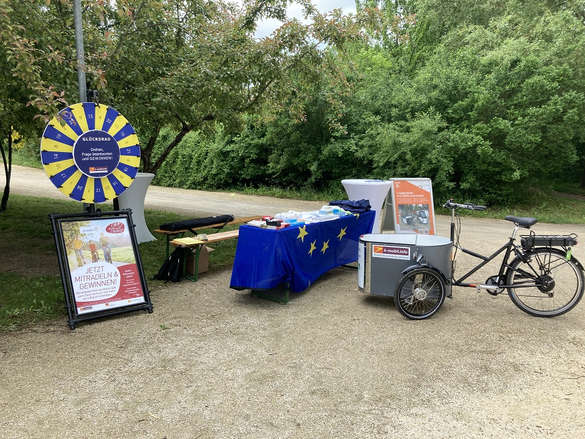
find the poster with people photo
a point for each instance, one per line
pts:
(100, 265)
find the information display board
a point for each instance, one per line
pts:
(90, 152)
(412, 205)
(100, 265)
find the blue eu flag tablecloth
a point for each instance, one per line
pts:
(296, 256)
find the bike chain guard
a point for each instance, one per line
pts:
(493, 281)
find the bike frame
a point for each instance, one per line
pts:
(510, 247)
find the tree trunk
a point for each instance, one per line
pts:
(186, 129)
(5, 196)
(146, 154)
(7, 161)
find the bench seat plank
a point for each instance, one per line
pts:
(215, 237)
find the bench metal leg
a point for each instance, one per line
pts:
(197, 252)
(170, 237)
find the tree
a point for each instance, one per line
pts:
(183, 64)
(180, 64)
(499, 102)
(30, 70)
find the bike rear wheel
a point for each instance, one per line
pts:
(420, 294)
(545, 284)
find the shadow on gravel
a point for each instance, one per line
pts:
(379, 302)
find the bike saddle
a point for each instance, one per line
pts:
(522, 221)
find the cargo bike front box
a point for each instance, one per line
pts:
(383, 259)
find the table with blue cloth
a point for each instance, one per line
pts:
(295, 257)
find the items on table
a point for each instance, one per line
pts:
(293, 218)
(353, 206)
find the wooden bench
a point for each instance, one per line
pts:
(171, 234)
(197, 244)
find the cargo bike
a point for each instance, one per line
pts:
(539, 272)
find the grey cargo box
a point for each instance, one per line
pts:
(383, 257)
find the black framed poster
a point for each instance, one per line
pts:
(100, 265)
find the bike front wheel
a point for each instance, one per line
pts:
(545, 283)
(420, 294)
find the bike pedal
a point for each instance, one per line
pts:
(491, 289)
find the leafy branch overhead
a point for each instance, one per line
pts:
(168, 63)
(486, 98)
(183, 64)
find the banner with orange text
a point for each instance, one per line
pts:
(412, 203)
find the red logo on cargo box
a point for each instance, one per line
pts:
(116, 227)
(391, 252)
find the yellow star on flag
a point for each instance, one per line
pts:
(342, 233)
(302, 233)
(325, 246)
(357, 215)
(313, 248)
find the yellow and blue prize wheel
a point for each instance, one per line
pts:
(90, 152)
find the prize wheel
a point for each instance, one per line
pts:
(90, 152)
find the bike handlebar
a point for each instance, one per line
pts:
(451, 205)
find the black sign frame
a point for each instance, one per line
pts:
(74, 317)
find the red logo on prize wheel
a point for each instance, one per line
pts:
(115, 228)
(98, 170)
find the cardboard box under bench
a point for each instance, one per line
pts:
(196, 244)
(203, 260)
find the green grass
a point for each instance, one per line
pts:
(25, 230)
(25, 300)
(547, 207)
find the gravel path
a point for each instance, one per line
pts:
(211, 362)
(34, 182)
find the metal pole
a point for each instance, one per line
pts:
(89, 208)
(79, 47)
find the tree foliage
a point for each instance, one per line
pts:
(32, 76)
(493, 104)
(486, 98)
(187, 65)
